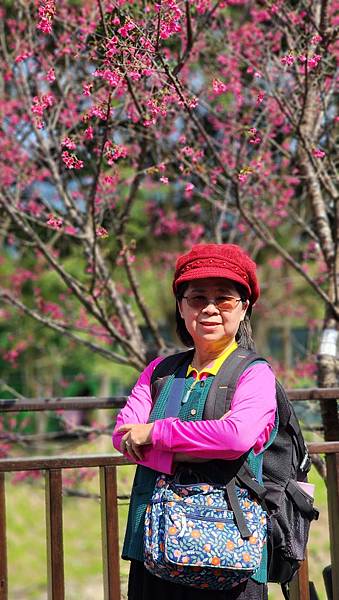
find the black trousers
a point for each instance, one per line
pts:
(142, 585)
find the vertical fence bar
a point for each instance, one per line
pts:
(299, 586)
(110, 533)
(3, 544)
(54, 535)
(332, 466)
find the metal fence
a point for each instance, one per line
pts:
(107, 465)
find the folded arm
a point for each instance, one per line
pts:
(248, 425)
(170, 440)
(136, 411)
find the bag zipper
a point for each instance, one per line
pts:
(195, 515)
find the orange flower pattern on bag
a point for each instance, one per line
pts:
(194, 537)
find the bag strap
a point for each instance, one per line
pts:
(246, 478)
(225, 381)
(238, 514)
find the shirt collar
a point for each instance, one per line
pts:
(213, 368)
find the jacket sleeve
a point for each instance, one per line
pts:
(137, 410)
(248, 425)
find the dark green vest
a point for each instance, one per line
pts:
(144, 479)
(199, 403)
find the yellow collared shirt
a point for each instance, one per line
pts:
(213, 368)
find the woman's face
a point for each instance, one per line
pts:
(210, 325)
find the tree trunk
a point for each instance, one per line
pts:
(328, 376)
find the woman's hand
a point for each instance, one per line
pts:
(137, 435)
(140, 434)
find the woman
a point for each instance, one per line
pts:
(215, 288)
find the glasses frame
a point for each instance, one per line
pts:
(218, 305)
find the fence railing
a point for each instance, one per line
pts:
(92, 402)
(53, 467)
(107, 465)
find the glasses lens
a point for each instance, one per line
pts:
(228, 303)
(197, 302)
(222, 302)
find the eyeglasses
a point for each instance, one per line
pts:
(223, 303)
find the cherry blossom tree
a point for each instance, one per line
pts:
(177, 120)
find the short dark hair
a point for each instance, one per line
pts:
(182, 332)
(244, 333)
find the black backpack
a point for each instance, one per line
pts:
(286, 461)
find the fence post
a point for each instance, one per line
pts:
(54, 535)
(110, 533)
(3, 544)
(299, 586)
(332, 467)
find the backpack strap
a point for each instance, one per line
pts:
(225, 381)
(176, 391)
(306, 463)
(170, 364)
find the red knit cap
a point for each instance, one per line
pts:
(218, 260)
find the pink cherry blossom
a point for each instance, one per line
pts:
(41, 103)
(179, 99)
(242, 177)
(101, 232)
(46, 15)
(314, 61)
(125, 29)
(219, 87)
(71, 161)
(23, 56)
(54, 222)
(50, 75)
(276, 263)
(189, 187)
(88, 133)
(12, 355)
(113, 78)
(70, 230)
(288, 60)
(87, 88)
(114, 151)
(318, 153)
(68, 143)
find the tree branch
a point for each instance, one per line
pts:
(71, 282)
(193, 118)
(264, 234)
(138, 296)
(93, 191)
(9, 299)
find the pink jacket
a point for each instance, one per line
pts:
(248, 426)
